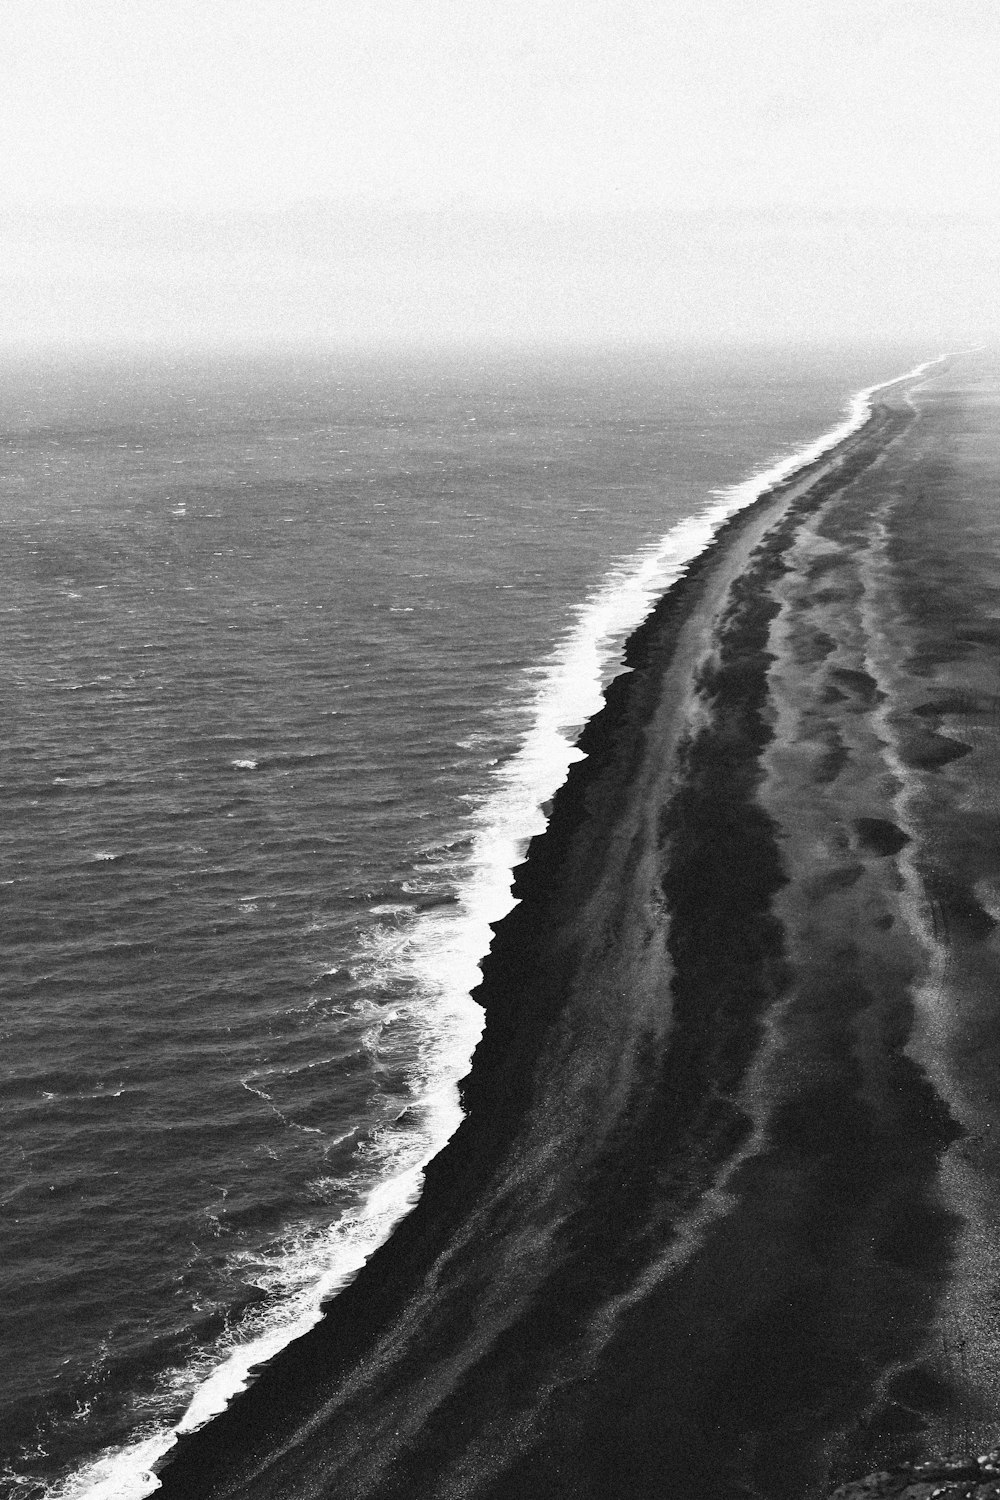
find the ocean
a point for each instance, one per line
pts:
(294, 650)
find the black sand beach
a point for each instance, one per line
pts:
(722, 1218)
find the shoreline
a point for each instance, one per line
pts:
(628, 595)
(598, 863)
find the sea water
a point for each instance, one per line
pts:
(293, 651)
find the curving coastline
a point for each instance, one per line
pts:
(446, 955)
(693, 1224)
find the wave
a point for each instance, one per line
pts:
(442, 953)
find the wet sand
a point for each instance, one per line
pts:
(722, 1219)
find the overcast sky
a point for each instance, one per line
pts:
(371, 168)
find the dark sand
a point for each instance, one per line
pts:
(722, 1220)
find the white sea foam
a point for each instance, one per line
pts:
(443, 953)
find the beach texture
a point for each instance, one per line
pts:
(722, 1218)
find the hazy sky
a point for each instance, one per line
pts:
(155, 119)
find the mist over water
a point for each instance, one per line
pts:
(377, 274)
(292, 649)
